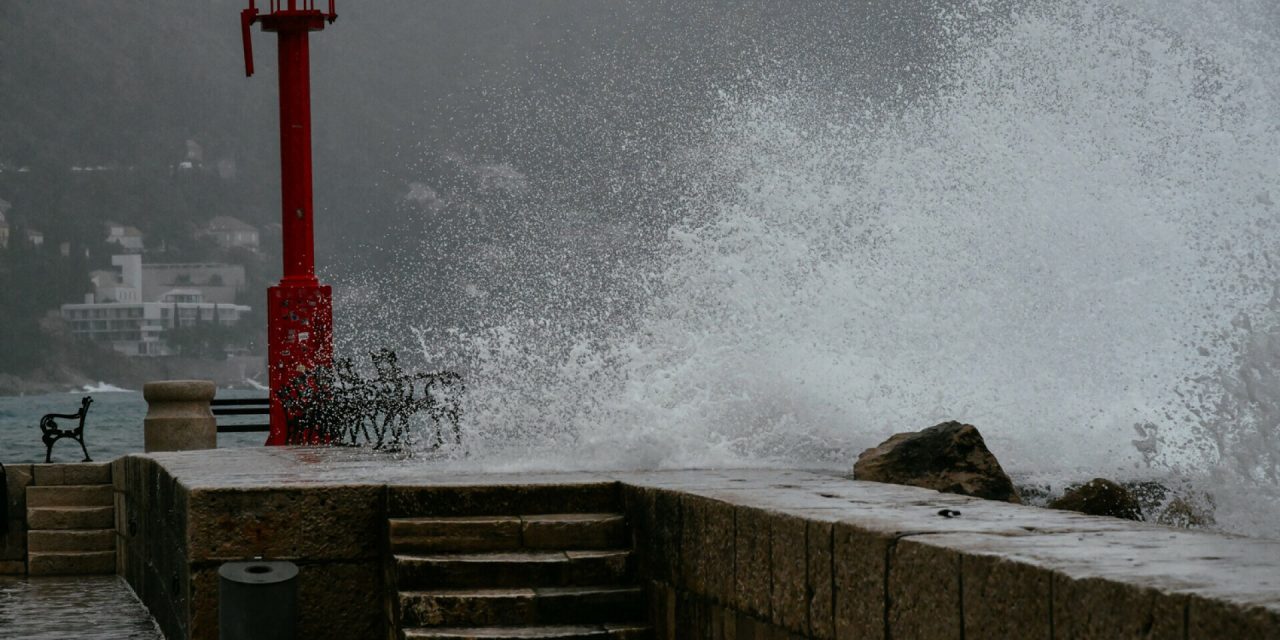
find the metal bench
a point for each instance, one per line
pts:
(242, 407)
(51, 433)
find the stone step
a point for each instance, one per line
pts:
(70, 495)
(70, 517)
(68, 563)
(496, 607)
(511, 569)
(74, 473)
(427, 535)
(71, 540)
(573, 632)
(575, 531)
(519, 497)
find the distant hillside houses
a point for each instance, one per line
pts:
(129, 239)
(134, 307)
(231, 233)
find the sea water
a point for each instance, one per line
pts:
(113, 427)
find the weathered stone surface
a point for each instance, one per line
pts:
(503, 500)
(860, 561)
(573, 531)
(693, 535)
(69, 496)
(1004, 599)
(716, 556)
(91, 540)
(752, 566)
(324, 523)
(818, 580)
(79, 473)
(178, 416)
(1095, 608)
(64, 563)
(924, 591)
(17, 478)
(482, 533)
(1100, 497)
(13, 567)
(70, 517)
(666, 535)
(13, 541)
(789, 596)
(950, 457)
(1211, 619)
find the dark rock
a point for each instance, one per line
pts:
(1100, 497)
(950, 457)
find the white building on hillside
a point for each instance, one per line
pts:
(118, 314)
(129, 238)
(232, 233)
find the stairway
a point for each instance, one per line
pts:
(547, 577)
(70, 527)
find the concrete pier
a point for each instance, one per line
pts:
(718, 554)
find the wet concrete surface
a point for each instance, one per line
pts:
(72, 607)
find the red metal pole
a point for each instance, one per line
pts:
(299, 309)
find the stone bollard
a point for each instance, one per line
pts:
(178, 416)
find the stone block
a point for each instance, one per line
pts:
(1096, 608)
(1004, 598)
(693, 535)
(13, 567)
(67, 563)
(789, 589)
(859, 580)
(1210, 619)
(427, 535)
(17, 478)
(13, 542)
(503, 500)
(118, 469)
(667, 525)
(819, 578)
(692, 618)
(924, 591)
(717, 555)
(70, 517)
(574, 531)
(69, 496)
(752, 567)
(70, 540)
(178, 416)
(316, 523)
(662, 610)
(74, 473)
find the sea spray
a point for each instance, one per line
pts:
(1063, 233)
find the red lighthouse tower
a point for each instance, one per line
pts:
(299, 309)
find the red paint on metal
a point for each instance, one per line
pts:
(299, 309)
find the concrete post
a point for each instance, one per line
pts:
(178, 416)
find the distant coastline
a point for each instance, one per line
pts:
(132, 373)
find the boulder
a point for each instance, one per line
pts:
(950, 457)
(1100, 497)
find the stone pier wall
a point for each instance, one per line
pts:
(175, 537)
(777, 557)
(13, 541)
(764, 554)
